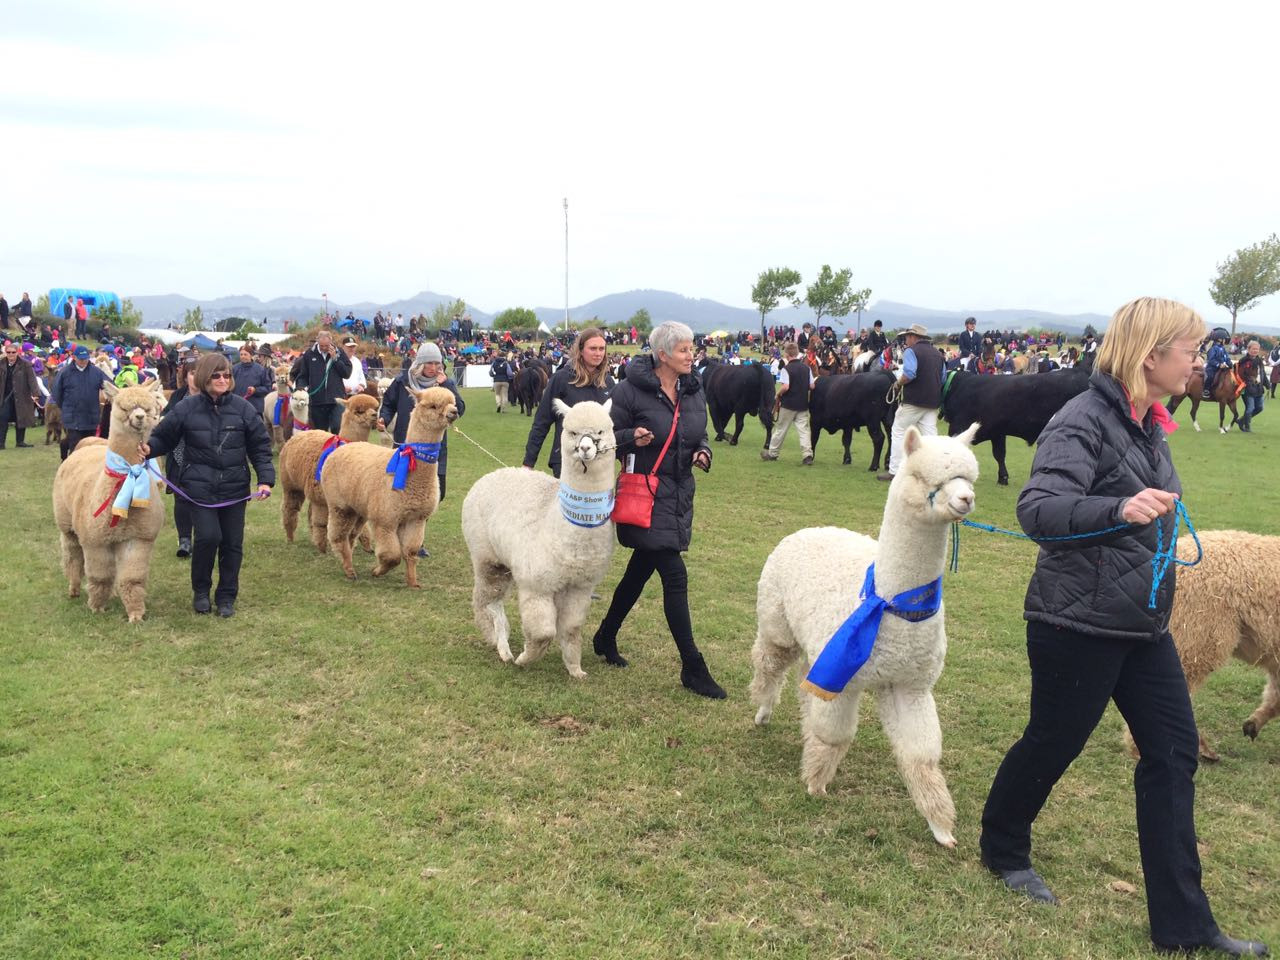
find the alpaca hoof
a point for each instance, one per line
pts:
(763, 716)
(943, 837)
(506, 656)
(1208, 754)
(578, 673)
(817, 791)
(524, 659)
(1251, 730)
(350, 575)
(135, 618)
(73, 592)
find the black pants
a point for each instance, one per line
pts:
(70, 438)
(183, 517)
(326, 416)
(440, 478)
(1073, 676)
(675, 596)
(218, 533)
(10, 412)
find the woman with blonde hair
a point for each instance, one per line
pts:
(585, 377)
(1103, 494)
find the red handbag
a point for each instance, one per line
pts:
(633, 503)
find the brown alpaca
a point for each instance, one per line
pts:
(52, 422)
(111, 555)
(359, 490)
(298, 459)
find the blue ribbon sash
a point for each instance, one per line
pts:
(585, 509)
(135, 488)
(330, 445)
(405, 460)
(281, 410)
(850, 646)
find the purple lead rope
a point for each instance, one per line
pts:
(196, 503)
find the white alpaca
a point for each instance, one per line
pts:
(933, 489)
(518, 527)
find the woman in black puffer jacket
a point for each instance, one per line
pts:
(221, 435)
(643, 410)
(1101, 486)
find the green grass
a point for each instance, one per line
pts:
(343, 770)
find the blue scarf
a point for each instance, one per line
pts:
(330, 445)
(404, 461)
(135, 488)
(850, 646)
(585, 509)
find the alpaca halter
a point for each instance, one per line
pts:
(132, 490)
(601, 448)
(585, 509)
(405, 460)
(850, 646)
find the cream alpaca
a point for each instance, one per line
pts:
(110, 556)
(298, 459)
(358, 489)
(554, 562)
(933, 489)
(298, 408)
(1229, 605)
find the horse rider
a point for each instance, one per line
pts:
(970, 343)
(1216, 360)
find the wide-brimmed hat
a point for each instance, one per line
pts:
(918, 329)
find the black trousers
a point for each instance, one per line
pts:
(218, 534)
(326, 416)
(1073, 676)
(182, 517)
(70, 438)
(8, 412)
(675, 596)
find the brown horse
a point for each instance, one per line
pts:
(1226, 389)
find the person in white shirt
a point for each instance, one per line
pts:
(356, 382)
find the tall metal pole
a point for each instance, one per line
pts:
(566, 264)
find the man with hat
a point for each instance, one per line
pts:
(970, 343)
(321, 370)
(356, 382)
(921, 381)
(76, 392)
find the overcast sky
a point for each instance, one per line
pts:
(959, 156)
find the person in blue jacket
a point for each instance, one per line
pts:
(77, 391)
(1216, 360)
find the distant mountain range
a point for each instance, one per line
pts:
(702, 316)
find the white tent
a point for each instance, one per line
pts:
(167, 336)
(543, 328)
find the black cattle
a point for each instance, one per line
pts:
(738, 391)
(527, 387)
(1008, 406)
(849, 402)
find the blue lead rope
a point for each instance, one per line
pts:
(1160, 561)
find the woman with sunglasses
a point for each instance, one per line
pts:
(221, 435)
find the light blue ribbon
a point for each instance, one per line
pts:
(850, 646)
(585, 509)
(135, 489)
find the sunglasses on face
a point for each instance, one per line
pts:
(223, 375)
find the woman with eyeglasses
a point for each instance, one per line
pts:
(221, 435)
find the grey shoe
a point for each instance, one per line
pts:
(767, 456)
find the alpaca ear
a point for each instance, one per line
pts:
(110, 389)
(341, 401)
(156, 386)
(607, 404)
(560, 407)
(911, 442)
(967, 437)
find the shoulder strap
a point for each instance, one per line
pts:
(675, 421)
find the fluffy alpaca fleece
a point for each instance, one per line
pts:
(116, 557)
(933, 489)
(553, 563)
(1228, 605)
(357, 487)
(298, 459)
(298, 407)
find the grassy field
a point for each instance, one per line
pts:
(343, 770)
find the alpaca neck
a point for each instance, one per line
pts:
(353, 430)
(124, 442)
(911, 552)
(597, 477)
(418, 433)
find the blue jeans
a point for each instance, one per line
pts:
(1253, 405)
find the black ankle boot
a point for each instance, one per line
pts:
(696, 677)
(607, 647)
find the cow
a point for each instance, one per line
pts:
(529, 382)
(849, 402)
(1007, 406)
(738, 391)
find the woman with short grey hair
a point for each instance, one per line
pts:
(662, 400)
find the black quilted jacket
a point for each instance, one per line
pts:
(221, 440)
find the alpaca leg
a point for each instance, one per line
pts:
(538, 621)
(387, 540)
(410, 537)
(318, 517)
(340, 524)
(72, 562)
(133, 564)
(828, 728)
(289, 509)
(1269, 708)
(572, 614)
(100, 567)
(492, 583)
(366, 538)
(910, 720)
(773, 653)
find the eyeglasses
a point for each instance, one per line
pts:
(221, 375)
(1189, 352)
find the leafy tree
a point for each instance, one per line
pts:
(42, 304)
(516, 318)
(130, 316)
(1089, 332)
(830, 296)
(193, 320)
(1246, 277)
(771, 287)
(441, 318)
(641, 321)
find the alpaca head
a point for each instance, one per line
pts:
(935, 481)
(300, 406)
(135, 411)
(282, 379)
(359, 413)
(433, 410)
(588, 432)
